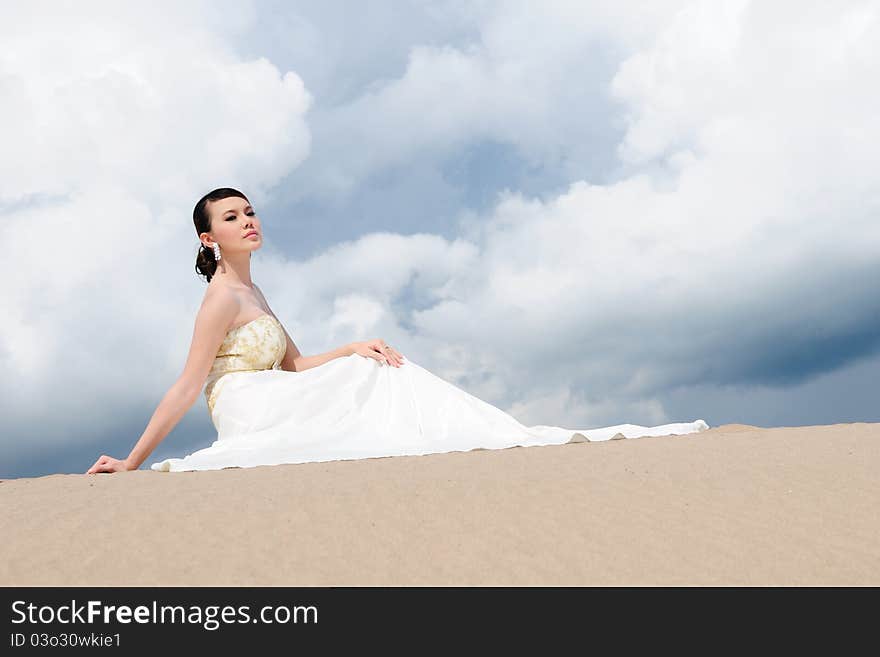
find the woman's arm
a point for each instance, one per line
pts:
(211, 325)
(294, 361)
(174, 405)
(307, 362)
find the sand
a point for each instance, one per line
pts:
(734, 505)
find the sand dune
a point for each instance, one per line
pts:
(734, 505)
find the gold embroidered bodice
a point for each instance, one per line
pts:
(260, 344)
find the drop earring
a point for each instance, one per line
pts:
(216, 251)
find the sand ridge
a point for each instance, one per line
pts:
(733, 505)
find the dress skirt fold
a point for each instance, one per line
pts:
(353, 407)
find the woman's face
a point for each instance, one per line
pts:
(234, 225)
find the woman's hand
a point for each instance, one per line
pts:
(379, 350)
(109, 464)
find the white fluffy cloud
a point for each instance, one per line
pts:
(729, 245)
(530, 80)
(745, 213)
(116, 117)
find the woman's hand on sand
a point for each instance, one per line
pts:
(109, 464)
(379, 350)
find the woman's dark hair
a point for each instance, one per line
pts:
(206, 265)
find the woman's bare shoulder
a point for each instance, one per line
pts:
(221, 296)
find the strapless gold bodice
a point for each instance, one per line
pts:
(260, 344)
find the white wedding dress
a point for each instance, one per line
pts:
(353, 408)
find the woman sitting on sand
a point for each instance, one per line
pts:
(271, 405)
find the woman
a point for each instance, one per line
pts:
(270, 404)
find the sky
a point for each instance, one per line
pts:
(585, 213)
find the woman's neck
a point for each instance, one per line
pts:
(234, 274)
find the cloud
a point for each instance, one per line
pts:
(742, 220)
(712, 221)
(529, 78)
(116, 119)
